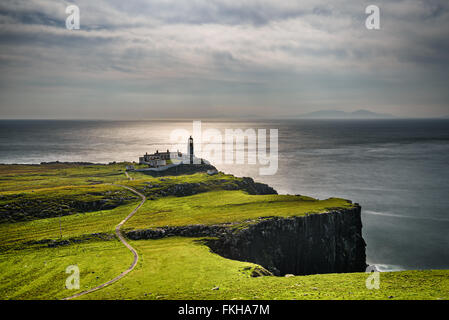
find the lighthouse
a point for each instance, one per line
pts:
(191, 149)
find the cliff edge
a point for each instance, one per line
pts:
(329, 242)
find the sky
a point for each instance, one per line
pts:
(195, 59)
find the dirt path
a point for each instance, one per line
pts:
(127, 175)
(122, 239)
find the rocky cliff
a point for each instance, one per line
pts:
(154, 190)
(316, 243)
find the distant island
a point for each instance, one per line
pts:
(337, 114)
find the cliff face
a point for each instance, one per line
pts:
(318, 243)
(20, 207)
(181, 169)
(156, 190)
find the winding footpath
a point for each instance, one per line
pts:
(127, 175)
(122, 239)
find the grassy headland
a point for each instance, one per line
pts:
(56, 215)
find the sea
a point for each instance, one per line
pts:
(397, 170)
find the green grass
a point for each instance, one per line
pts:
(60, 201)
(170, 268)
(39, 273)
(183, 268)
(203, 182)
(205, 208)
(226, 207)
(17, 234)
(26, 177)
(191, 178)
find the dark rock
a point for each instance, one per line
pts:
(259, 272)
(181, 170)
(58, 243)
(318, 243)
(27, 209)
(184, 231)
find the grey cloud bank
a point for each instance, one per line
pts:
(184, 59)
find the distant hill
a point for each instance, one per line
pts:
(337, 114)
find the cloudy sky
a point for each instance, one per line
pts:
(198, 59)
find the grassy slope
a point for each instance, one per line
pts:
(16, 234)
(173, 268)
(225, 206)
(39, 273)
(183, 268)
(25, 177)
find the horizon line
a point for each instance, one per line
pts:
(224, 119)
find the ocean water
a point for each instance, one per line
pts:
(398, 170)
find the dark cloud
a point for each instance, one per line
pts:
(280, 55)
